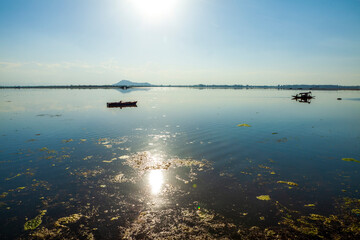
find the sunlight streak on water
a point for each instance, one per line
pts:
(156, 181)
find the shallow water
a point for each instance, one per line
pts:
(178, 165)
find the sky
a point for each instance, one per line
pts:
(255, 42)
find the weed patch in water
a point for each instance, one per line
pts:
(350, 160)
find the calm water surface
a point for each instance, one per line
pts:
(179, 165)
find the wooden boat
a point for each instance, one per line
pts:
(303, 95)
(121, 104)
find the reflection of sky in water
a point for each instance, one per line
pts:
(287, 142)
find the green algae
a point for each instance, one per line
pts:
(28, 172)
(288, 183)
(243, 125)
(15, 176)
(61, 222)
(265, 167)
(87, 158)
(301, 226)
(35, 222)
(356, 211)
(309, 205)
(350, 160)
(264, 197)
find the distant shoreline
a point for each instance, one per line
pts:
(200, 86)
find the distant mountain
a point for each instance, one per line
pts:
(128, 83)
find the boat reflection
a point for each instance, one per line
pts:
(302, 100)
(156, 180)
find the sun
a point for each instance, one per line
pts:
(155, 10)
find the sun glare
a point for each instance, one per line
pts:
(155, 10)
(156, 181)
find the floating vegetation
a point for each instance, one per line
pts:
(67, 140)
(87, 158)
(34, 223)
(42, 184)
(264, 197)
(145, 161)
(82, 140)
(120, 178)
(17, 175)
(288, 183)
(61, 222)
(44, 149)
(4, 194)
(110, 161)
(309, 205)
(181, 179)
(205, 215)
(345, 225)
(272, 172)
(243, 125)
(179, 224)
(356, 211)
(274, 133)
(282, 140)
(265, 167)
(88, 173)
(44, 233)
(114, 159)
(350, 160)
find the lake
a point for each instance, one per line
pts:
(186, 162)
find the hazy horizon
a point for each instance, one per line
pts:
(179, 42)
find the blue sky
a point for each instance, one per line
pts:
(193, 41)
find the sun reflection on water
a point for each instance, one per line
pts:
(156, 180)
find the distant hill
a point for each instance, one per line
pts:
(128, 83)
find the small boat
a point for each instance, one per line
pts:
(303, 95)
(121, 104)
